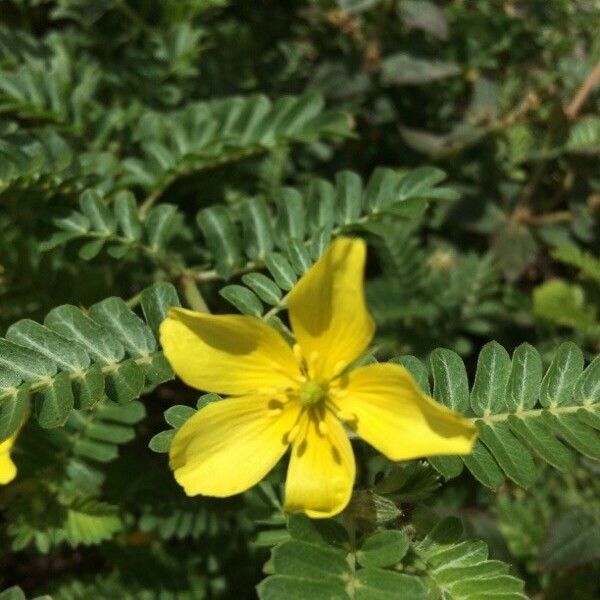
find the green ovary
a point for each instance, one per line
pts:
(311, 392)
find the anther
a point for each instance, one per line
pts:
(293, 433)
(346, 416)
(297, 352)
(323, 429)
(340, 365)
(312, 363)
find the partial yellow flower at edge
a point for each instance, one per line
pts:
(301, 397)
(8, 469)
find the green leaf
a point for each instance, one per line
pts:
(25, 364)
(91, 249)
(94, 208)
(221, 239)
(588, 265)
(524, 379)
(46, 342)
(258, 238)
(126, 326)
(13, 411)
(284, 586)
(176, 416)
(381, 190)
(483, 466)
(559, 381)
(125, 382)
(281, 271)
(536, 434)
(72, 324)
(299, 256)
(416, 368)
(512, 456)
(88, 387)
(320, 204)
(325, 531)
(243, 299)
(587, 388)
(386, 585)
(263, 287)
(290, 216)
(311, 561)
(349, 198)
(161, 442)
(404, 69)
(383, 549)
(91, 522)
(572, 540)
(491, 378)
(564, 304)
(163, 223)
(450, 382)
(425, 16)
(461, 570)
(515, 249)
(127, 216)
(419, 183)
(156, 301)
(54, 402)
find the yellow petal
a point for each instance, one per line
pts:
(321, 470)
(327, 309)
(8, 469)
(230, 445)
(395, 417)
(227, 354)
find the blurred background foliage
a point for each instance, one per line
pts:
(136, 136)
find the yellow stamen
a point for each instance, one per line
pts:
(292, 433)
(323, 429)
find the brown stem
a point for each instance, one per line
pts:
(572, 110)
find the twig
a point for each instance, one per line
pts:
(192, 294)
(572, 110)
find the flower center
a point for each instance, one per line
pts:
(312, 392)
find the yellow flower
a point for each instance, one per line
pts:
(301, 396)
(8, 469)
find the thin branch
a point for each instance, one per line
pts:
(592, 80)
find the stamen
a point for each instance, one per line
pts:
(275, 407)
(297, 353)
(340, 365)
(346, 416)
(313, 359)
(336, 393)
(292, 434)
(266, 391)
(322, 428)
(277, 368)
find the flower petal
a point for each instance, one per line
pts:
(230, 445)
(399, 420)
(227, 354)
(321, 470)
(327, 309)
(8, 469)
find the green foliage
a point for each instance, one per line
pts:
(462, 570)
(75, 359)
(204, 135)
(520, 411)
(205, 152)
(320, 560)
